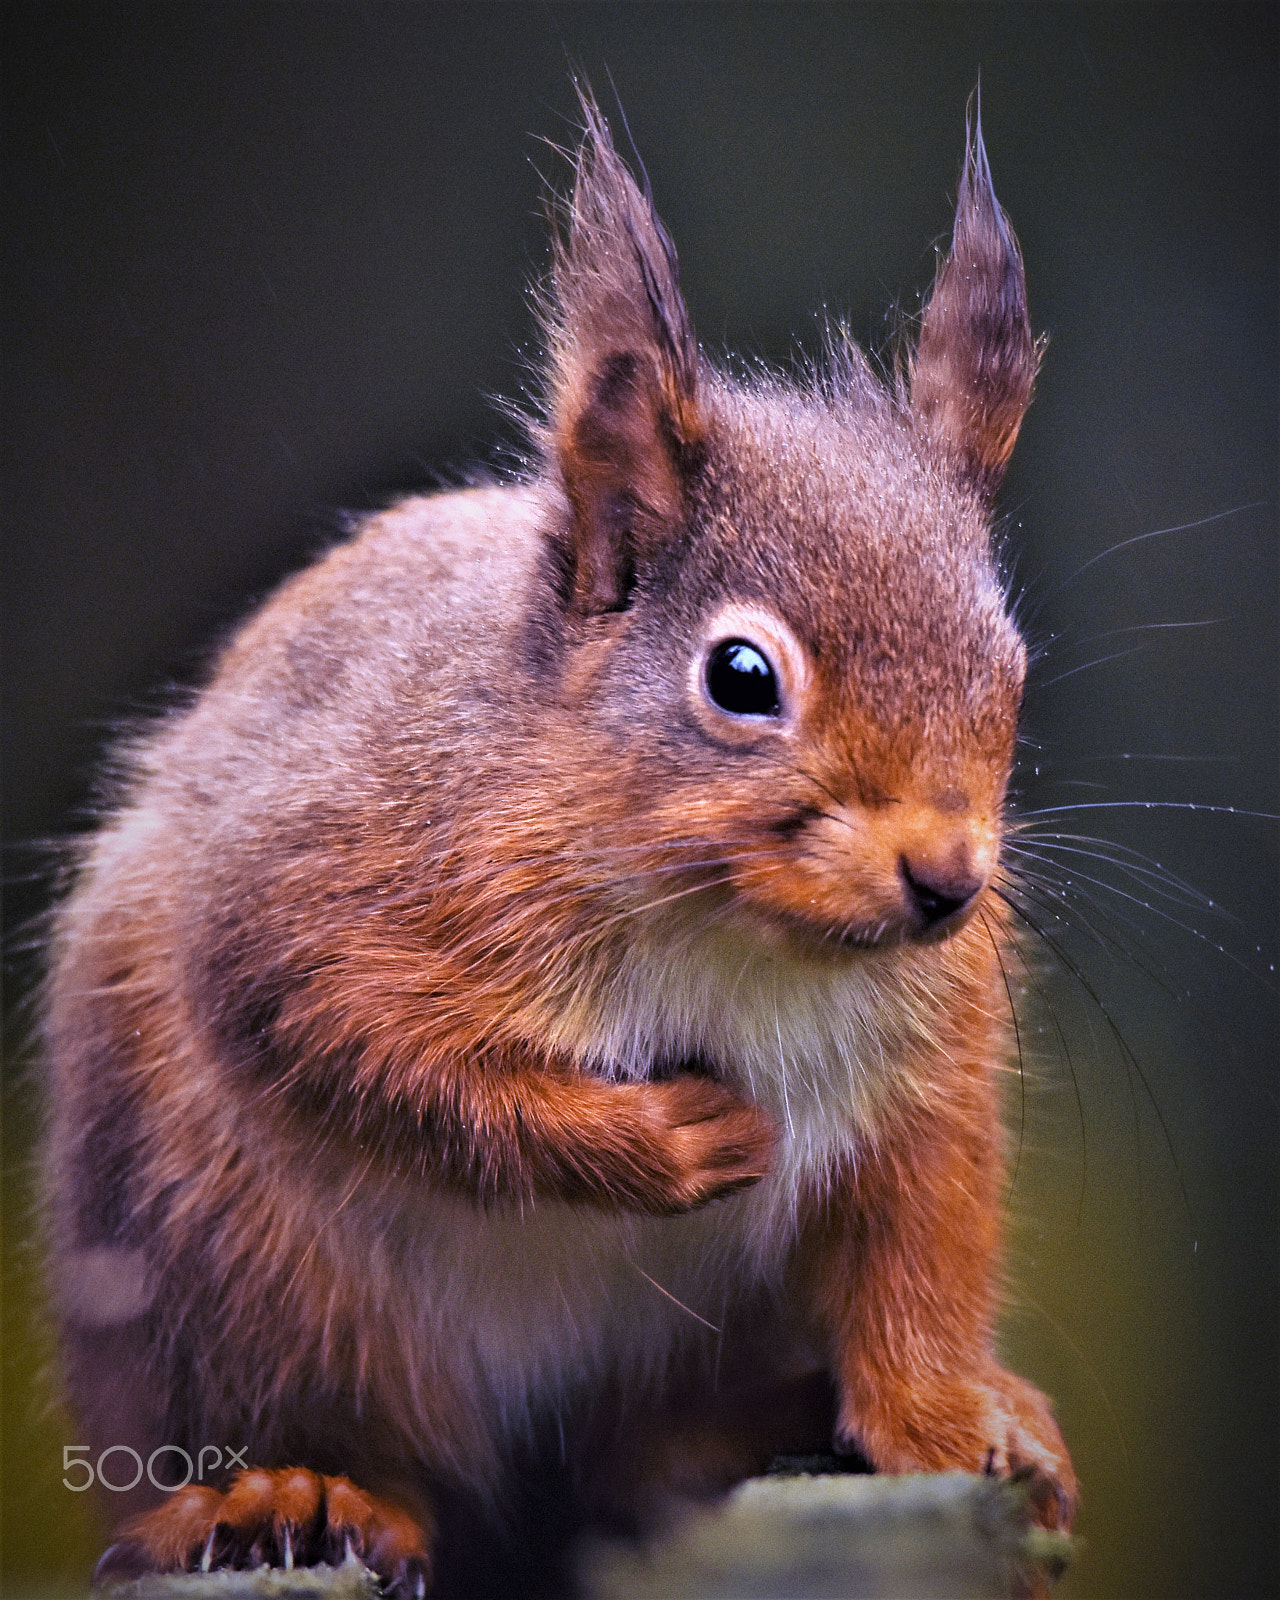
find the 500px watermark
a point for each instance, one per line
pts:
(211, 1458)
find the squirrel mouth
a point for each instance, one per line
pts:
(815, 934)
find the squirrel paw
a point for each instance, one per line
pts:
(714, 1142)
(995, 1423)
(290, 1517)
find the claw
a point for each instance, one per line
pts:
(268, 1519)
(121, 1561)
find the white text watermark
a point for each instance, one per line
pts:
(210, 1458)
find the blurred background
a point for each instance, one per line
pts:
(268, 262)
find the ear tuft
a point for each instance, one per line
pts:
(974, 368)
(623, 401)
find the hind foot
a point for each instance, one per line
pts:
(290, 1517)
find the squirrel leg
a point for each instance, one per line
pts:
(507, 1122)
(900, 1269)
(290, 1517)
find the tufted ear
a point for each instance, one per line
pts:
(975, 365)
(623, 390)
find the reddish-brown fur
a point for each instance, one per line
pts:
(412, 1022)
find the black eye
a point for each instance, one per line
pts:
(741, 681)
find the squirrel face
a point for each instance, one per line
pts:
(779, 626)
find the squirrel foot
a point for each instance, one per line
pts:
(994, 1423)
(290, 1517)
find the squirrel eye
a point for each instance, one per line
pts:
(740, 680)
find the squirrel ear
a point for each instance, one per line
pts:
(975, 365)
(623, 402)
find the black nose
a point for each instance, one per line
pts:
(936, 893)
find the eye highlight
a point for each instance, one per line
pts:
(740, 679)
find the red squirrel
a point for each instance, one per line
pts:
(530, 1034)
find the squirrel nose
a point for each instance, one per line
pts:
(936, 892)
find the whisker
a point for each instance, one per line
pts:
(782, 1072)
(1098, 1384)
(1124, 856)
(1017, 1036)
(631, 1261)
(1158, 533)
(1138, 755)
(1148, 627)
(1061, 902)
(680, 894)
(1043, 994)
(818, 783)
(1021, 829)
(1145, 877)
(1152, 805)
(1201, 903)
(1101, 661)
(1154, 878)
(1060, 1032)
(1127, 1054)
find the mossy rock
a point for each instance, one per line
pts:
(843, 1537)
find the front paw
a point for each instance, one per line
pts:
(995, 1423)
(284, 1518)
(708, 1142)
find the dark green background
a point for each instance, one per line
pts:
(264, 261)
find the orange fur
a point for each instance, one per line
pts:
(484, 1055)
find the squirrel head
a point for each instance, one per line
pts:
(772, 619)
